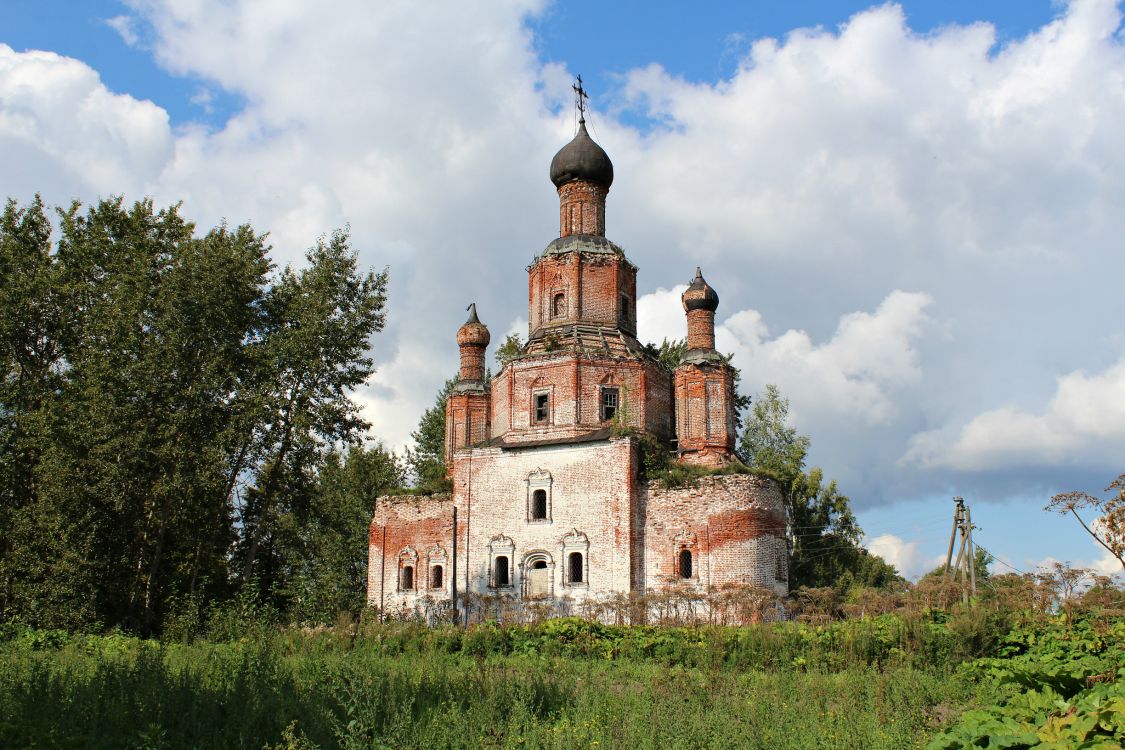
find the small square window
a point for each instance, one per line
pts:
(610, 398)
(542, 410)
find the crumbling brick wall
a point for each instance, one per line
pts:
(733, 526)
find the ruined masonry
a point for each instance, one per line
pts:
(544, 457)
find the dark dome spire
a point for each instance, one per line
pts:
(699, 295)
(582, 159)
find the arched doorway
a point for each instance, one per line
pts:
(537, 571)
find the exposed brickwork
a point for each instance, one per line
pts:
(466, 420)
(543, 466)
(734, 525)
(700, 329)
(573, 385)
(705, 412)
(631, 534)
(593, 289)
(582, 208)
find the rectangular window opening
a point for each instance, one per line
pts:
(611, 397)
(575, 567)
(542, 410)
(539, 505)
(501, 573)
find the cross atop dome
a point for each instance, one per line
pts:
(580, 98)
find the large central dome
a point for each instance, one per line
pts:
(582, 159)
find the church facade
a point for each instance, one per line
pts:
(549, 499)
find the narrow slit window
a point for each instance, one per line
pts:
(501, 574)
(574, 567)
(539, 505)
(408, 578)
(437, 576)
(685, 563)
(542, 407)
(625, 309)
(611, 398)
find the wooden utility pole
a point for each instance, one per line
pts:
(971, 557)
(965, 566)
(957, 515)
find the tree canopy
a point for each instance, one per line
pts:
(167, 399)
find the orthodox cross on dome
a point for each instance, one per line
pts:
(580, 98)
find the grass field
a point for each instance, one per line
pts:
(560, 684)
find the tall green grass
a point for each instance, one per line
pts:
(557, 684)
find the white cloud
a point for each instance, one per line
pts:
(1083, 422)
(855, 373)
(126, 28)
(831, 167)
(66, 135)
(904, 555)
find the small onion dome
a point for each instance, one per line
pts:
(473, 333)
(700, 295)
(582, 159)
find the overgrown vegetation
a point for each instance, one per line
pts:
(883, 681)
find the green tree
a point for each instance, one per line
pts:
(323, 543)
(822, 530)
(426, 460)
(148, 375)
(312, 351)
(668, 353)
(511, 348)
(149, 322)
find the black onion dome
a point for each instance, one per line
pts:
(582, 159)
(699, 295)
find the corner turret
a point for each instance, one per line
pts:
(704, 384)
(468, 406)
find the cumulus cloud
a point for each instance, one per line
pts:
(66, 135)
(1083, 422)
(907, 556)
(854, 373)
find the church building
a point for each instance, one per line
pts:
(549, 500)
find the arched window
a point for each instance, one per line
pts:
(574, 567)
(558, 305)
(436, 576)
(685, 563)
(502, 573)
(408, 578)
(539, 505)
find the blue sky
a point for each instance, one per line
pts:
(911, 211)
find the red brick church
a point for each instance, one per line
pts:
(548, 501)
